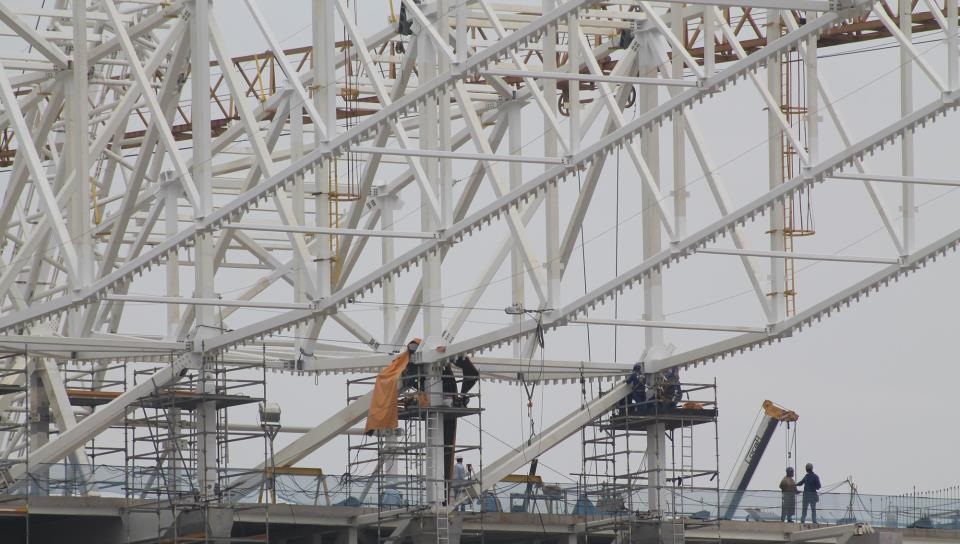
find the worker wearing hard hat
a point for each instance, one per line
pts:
(811, 484)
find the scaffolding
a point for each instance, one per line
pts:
(13, 423)
(163, 432)
(392, 466)
(617, 447)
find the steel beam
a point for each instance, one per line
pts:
(798, 256)
(105, 416)
(546, 440)
(335, 425)
(665, 325)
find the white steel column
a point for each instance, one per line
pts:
(573, 86)
(173, 261)
(778, 282)
(77, 112)
(552, 214)
(388, 204)
(300, 276)
(445, 181)
(908, 195)
(647, 99)
(813, 102)
(515, 141)
(953, 56)
(204, 265)
(431, 311)
(324, 98)
(171, 225)
(678, 26)
(709, 32)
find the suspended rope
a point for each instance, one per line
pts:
(616, 254)
(790, 450)
(583, 259)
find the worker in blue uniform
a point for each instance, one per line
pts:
(811, 484)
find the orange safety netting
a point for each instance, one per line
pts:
(383, 405)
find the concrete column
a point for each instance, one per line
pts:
(656, 464)
(38, 423)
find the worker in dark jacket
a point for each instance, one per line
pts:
(788, 505)
(811, 484)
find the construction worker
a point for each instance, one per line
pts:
(672, 394)
(459, 481)
(639, 393)
(788, 506)
(811, 484)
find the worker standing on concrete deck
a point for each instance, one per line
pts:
(811, 484)
(788, 506)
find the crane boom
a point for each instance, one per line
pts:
(773, 415)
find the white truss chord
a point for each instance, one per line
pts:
(665, 325)
(897, 179)
(798, 256)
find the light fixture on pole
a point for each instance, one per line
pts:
(270, 423)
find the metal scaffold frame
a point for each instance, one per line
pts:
(177, 210)
(623, 470)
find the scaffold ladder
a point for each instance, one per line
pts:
(443, 526)
(684, 480)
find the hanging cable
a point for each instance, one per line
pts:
(583, 259)
(616, 253)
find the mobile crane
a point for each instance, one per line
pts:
(773, 416)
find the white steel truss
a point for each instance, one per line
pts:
(140, 143)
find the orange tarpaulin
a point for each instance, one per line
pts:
(383, 405)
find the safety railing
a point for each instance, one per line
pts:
(926, 510)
